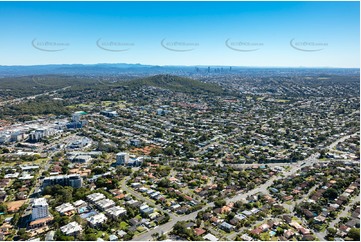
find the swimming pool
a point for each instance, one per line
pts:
(87, 215)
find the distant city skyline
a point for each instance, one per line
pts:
(245, 34)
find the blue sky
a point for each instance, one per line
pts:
(294, 34)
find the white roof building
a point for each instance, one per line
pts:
(246, 237)
(71, 228)
(116, 211)
(210, 237)
(15, 175)
(121, 233)
(65, 207)
(24, 168)
(79, 203)
(97, 219)
(95, 197)
(105, 204)
(144, 206)
(40, 208)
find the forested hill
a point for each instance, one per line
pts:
(177, 83)
(16, 87)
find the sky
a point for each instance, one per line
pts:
(262, 34)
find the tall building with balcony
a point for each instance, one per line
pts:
(122, 158)
(40, 209)
(74, 180)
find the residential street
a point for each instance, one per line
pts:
(345, 211)
(165, 228)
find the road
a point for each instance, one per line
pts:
(331, 146)
(35, 191)
(345, 211)
(165, 228)
(168, 226)
(142, 198)
(18, 100)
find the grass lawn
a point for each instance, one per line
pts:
(8, 164)
(106, 103)
(41, 160)
(81, 105)
(264, 236)
(123, 225)
(287, 168)
(100, 235)
(222, 232)
(323, 227)
(281, 100)
(15, 204)
(119, 104)
(140, 229)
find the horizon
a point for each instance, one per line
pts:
(186, 66)
(189, 66)
(237, 34)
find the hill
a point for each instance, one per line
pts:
(177, 84)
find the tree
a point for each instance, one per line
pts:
(155, 236)
(231, 215)
(91, 237)
(181, 230)
(322, 154)
(66, 238)
(65, 169)
(155, 151)
(169, 151)
(354, 233)
(163, 183)
(251, 185)
(332, 231)
(199, 222)
(265, 236)
(15, 219)
(78, 219)
(80, 193)
(23, 234)
(3, 208)
(166, 219)
(279, 231)
(128, 236)
(219, 203)
(158, 134)
(331, 194)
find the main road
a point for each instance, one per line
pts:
(18, 100)
(165, 228)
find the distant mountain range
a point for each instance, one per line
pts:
(78, 69)
(144, 70)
